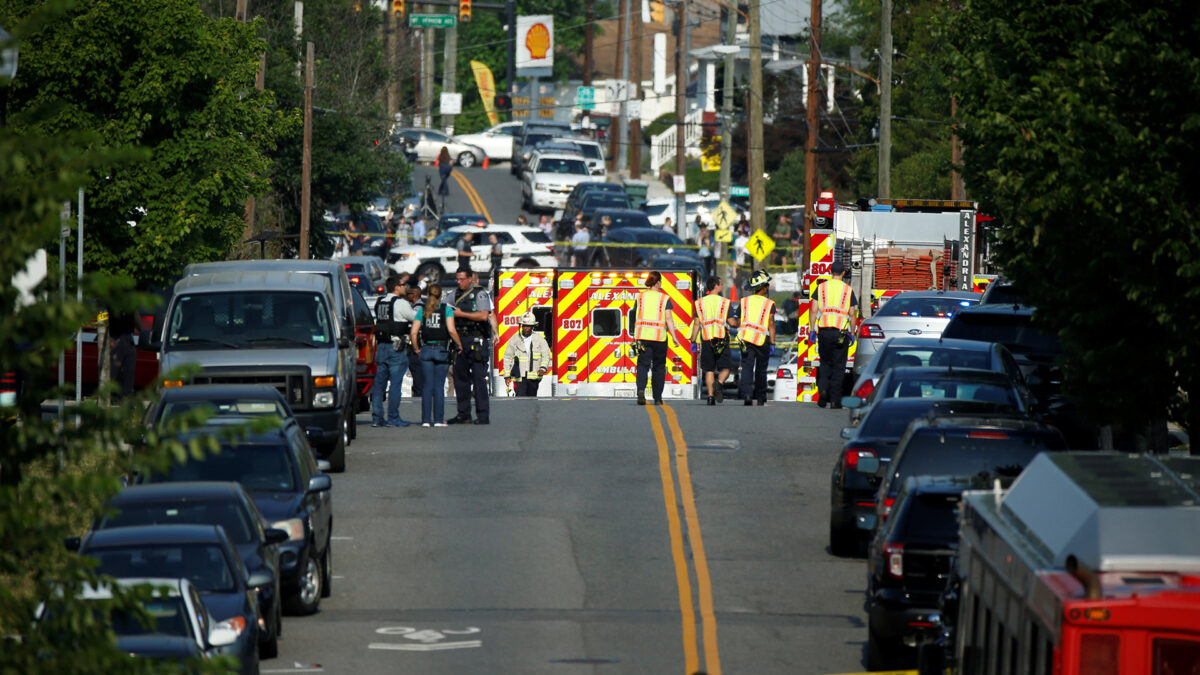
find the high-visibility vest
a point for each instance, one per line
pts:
(756, 315)
(713, 311)
(651, 316)
(833, 304)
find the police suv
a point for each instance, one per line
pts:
(522, 247)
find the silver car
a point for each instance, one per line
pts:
(912, 313)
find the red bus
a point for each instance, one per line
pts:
(1088, 565)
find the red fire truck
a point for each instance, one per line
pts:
(1089, 564)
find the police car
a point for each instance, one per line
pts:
(522, 247)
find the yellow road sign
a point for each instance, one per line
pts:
(710, 155)
(724, 236)
(760, 245)
(724, 216)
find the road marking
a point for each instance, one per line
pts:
(691, 657)
(472, 195)
(712, 658)
(429, 640)
(439, 646)
(342, 538)
(296, 668)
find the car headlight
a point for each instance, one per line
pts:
(323, 399)
(539, 186)
(293, 526)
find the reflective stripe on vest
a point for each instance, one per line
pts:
(651, 316)
(833, 305)
(756, 312)
(713, 310)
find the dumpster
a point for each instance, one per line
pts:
(636, 189)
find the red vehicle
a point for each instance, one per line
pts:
(1088, 565)
(145, 372)
(364, 340)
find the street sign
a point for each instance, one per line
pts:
(680, 184)
(724, 236)
(710, 155)
(432, 20)
(451, 103)
(724, 216)
(585, 98)
(760, 245)
(535, 46)
(739, 191)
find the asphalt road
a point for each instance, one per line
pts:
(492, 192)
(552, 541)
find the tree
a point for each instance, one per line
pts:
(160, 75)
(1080, 130)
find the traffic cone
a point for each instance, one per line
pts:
(485, 161)
(733, 297)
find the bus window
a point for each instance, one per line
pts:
(1100, 654)
(1172, 656)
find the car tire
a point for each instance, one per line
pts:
(337, 456)
(307, 598)
(352, 415)
(526, 263)
(882, 654)
(431, 271)
(327, 567)
(466, 160)
(270, 648)
(842, 543)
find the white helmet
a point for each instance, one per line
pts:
(528, 319)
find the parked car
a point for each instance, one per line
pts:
(496, 141)
(367, 273)
(365, 344)
(618, 217)
(550, 178)
(592, 153)
(427, 144)
(371, 225)
(522, 247)
(642, 245)
(940, 382)
(908, 565)
(584, 200)
(202, 554)
(530, 135)
(238, 400)
(213, 503)
(281, 474)
(914, 313)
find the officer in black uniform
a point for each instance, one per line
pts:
(476, 325)
(394, 316)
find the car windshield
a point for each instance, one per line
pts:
(240, 407)
(560, 165)
(924, 307)
(249, 318)
(978, 453)
(904, 357)
(259, 467)
(202, 564)
(445, 239)
(627, 219)
(931, 386)
(657, 237)
(537, 237)
(227, 514)
(531, 140)
(456, 219)
(590, 151)
(1015, 331)
(930, 517)
(599, 200)
(886, 421)
(655, 209)
(170, 618)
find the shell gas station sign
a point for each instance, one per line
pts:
(535, 46)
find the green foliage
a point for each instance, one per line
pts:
(1081, 130)
(786, 185)
(159, 75)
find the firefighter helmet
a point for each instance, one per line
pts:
(760, 279)
(528, 319)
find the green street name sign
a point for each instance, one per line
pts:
(739, 191)
(432, 20)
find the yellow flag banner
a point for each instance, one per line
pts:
(487, 89)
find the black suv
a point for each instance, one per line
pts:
(908, 563)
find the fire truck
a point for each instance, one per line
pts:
(588, 316)
(1088, 564)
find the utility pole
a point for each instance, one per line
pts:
(885, 102)
(681, 113)
(727, 103)
(617, 136)
(810, 144)
(393, 37)
(449, 73)
(635, 121)
(259, 83)
(588, 41)
(958, 191)
(298, 24)
(428, 35)
(623, 149)
(306, 165)
(754, 143)
(510, 13)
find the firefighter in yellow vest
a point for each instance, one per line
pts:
(831, 321)
(757, 333)
(712, 314)
(654, 327)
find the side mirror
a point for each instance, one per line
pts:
(343, 342)
(275, 535)
(72, 543)
(313, 434)
(320, 483)
(847, 432)
(868, 465)
(261, 577)
(324, 466)
(222, 635)
(851, 402)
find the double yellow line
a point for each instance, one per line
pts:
(687, 500)
(472, 194)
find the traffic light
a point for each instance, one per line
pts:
(657, 11)
(398, 8)
(464, 11)
(503, 102)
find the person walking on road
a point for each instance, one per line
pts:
(579, 245)
(653, 331)
(465, 247)
(476, 325)
(393, 319)
(757, 333)
(432, 333)
(830, 320)
(445, 166)
(526, 358)
(712, 314)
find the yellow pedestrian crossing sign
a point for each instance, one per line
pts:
(760, 245)
(724, 217)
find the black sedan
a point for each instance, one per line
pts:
(212, 503)
(202, 554)
(279, 470)
(637, 246)
(240, 400)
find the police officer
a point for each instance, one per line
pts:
(393, 320)
(830, 319)
(757, 333)
(712, 313)
(476, 325)
(654, 327)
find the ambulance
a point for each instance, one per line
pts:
(520, 291)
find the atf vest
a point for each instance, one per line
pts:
(651, 316)
(833, 305)
(756, 316)
(433, 325)
(713, 311)
(387, 326)
(467, 326)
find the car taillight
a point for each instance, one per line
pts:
(854, 454)
(866, 388)
(894, 555)
(8, 390)
(992, 435)
(870, 330)
(887, 506)
(783, 374)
